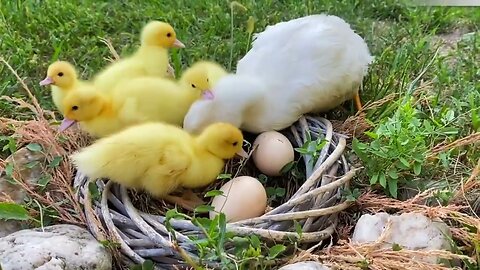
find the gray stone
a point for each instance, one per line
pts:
(62, 247)
(14, 192)
(305, 266)
(411, 231)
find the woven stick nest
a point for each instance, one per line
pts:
(315, 206)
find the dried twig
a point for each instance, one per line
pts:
(112, 50)
(470, 139)
(471, 183)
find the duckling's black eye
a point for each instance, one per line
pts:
(60, 74)
(74, 108)
(193, 85)
(235, 143)
(169, 34)
(207, 79)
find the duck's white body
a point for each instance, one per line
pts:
(310, 64)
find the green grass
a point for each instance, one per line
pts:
(35, 33)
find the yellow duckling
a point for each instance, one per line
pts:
(151, 58)
(131, 102)
(203, 75)
(63, 78)
(160, 158)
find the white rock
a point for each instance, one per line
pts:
(53, 264)
(305, 266)
(411, 231)
(15, 192)
(59, 247)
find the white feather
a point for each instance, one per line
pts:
(309, 64)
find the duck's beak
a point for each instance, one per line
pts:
(46, 81)
(242, 153)
(66, 124)
(178, 44)
(207, 94)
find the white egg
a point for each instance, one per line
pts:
(272, 151)
(243, 197)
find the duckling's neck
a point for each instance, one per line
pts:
(107, 109)
(154, 58)
(67, 87)
(151, 51)
(204, 169)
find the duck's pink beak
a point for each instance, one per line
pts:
(242, 153)
(46, 81)
(207, 94)
(178, 44)
(66, 124)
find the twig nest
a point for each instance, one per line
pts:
(314, 207)
(272, 152)
(242, 198)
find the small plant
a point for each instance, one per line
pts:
(94, 192)
(13, 211)
(475, 113)
(351, 195)
(217, 244)
(312, 147)
(274, 193)
(146, 265)
(399, 147)
(224, 176)
(108, 244)
(9, 143)
(443, 196)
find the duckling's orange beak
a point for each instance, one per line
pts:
(47, 81)
(66, 124)
(178, 44)
(242, 153)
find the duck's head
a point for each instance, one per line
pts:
(61, 74)
(160, 34)
(83, 104)
(233, 95)
(222, 140)
(196, 78)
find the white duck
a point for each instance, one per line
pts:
(310, 64)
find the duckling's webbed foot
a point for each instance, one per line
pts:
(189, 200)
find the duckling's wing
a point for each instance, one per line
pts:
(166, 175)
